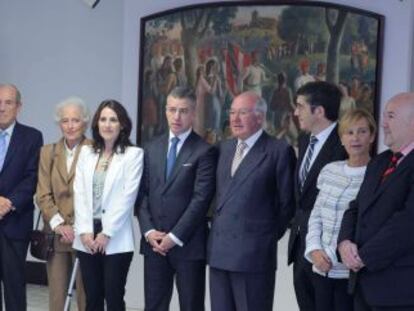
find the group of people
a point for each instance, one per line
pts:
(225, 205)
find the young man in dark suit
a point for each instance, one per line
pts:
(376, 237)
(253, 207)
(176, 190)
(317, 107)
(19, 156)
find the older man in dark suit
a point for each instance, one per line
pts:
(254, 205)
(317, 108)
(177, 187)
(376, 238)
(19, 156)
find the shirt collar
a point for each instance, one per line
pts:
(324, 134)
(252, 139)
(10, 129)
(69, 151)
(182, 137)
(407, 149)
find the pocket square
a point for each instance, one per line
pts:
(188, 164)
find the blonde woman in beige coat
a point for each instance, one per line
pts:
(54, 197)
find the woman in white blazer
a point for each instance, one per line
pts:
(107, 178)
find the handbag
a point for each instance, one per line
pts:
(41, 242)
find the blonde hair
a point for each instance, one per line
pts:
(353, 115)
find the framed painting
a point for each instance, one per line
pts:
(272, 48)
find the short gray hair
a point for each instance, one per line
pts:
(72, 101)
(184, 92)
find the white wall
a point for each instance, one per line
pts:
(52, 49)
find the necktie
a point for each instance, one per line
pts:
(172, 155)
(238, 157)
(2, 148)
(392, 165)
(306, 163)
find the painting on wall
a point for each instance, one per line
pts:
(222, 49)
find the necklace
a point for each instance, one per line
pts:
(103, 163)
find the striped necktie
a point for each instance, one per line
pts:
(307, 161)
(238, 157)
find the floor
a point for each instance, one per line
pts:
(284, 294)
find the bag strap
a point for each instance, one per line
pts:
(52, 162)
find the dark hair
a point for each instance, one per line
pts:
(184, 92)
(324, 94)
(126, 126)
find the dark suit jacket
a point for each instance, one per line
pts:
(331, 151)
(18, 180)
(253, 207)
(178, 205)
(381, 222)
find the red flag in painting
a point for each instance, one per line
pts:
(236, 60)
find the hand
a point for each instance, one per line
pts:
(154, 238)
(349, 254)
(321, 260)
(66, 232)
(5, 206)
(88, 242)
(101, 241)
(167, 243)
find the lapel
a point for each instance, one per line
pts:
(15, 139)
(161, 157)
(60, 160)
(113, 169)
(324, 157)
(185, 152)
(72, 170)
(379, 187)
(255, 156)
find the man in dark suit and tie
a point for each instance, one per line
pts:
(317, 107)
(176, 190)
(254, 204)
(376, 237)
(19, 156)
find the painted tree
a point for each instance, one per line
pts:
(195, 25)
(335, 21)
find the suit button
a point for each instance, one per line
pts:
(103, 211)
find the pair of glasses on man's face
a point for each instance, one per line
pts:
(240, 112)
(180, 111)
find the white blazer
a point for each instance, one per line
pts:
(120, 190)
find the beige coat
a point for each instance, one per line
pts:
(54, 192)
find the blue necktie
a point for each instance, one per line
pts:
(3, 149)
(172, 155)
(306, 164)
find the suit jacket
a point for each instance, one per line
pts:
(18, 180)
(253, 207)
(332, 150)
(381, 221)
(120, 190)
(178, 205)
(54, 192)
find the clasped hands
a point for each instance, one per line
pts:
(5, 206)
(350, 256)
(95, 245)
(161, 242)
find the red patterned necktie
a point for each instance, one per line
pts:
(392, 165)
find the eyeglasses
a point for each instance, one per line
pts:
(241, 112)
(181, 111)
